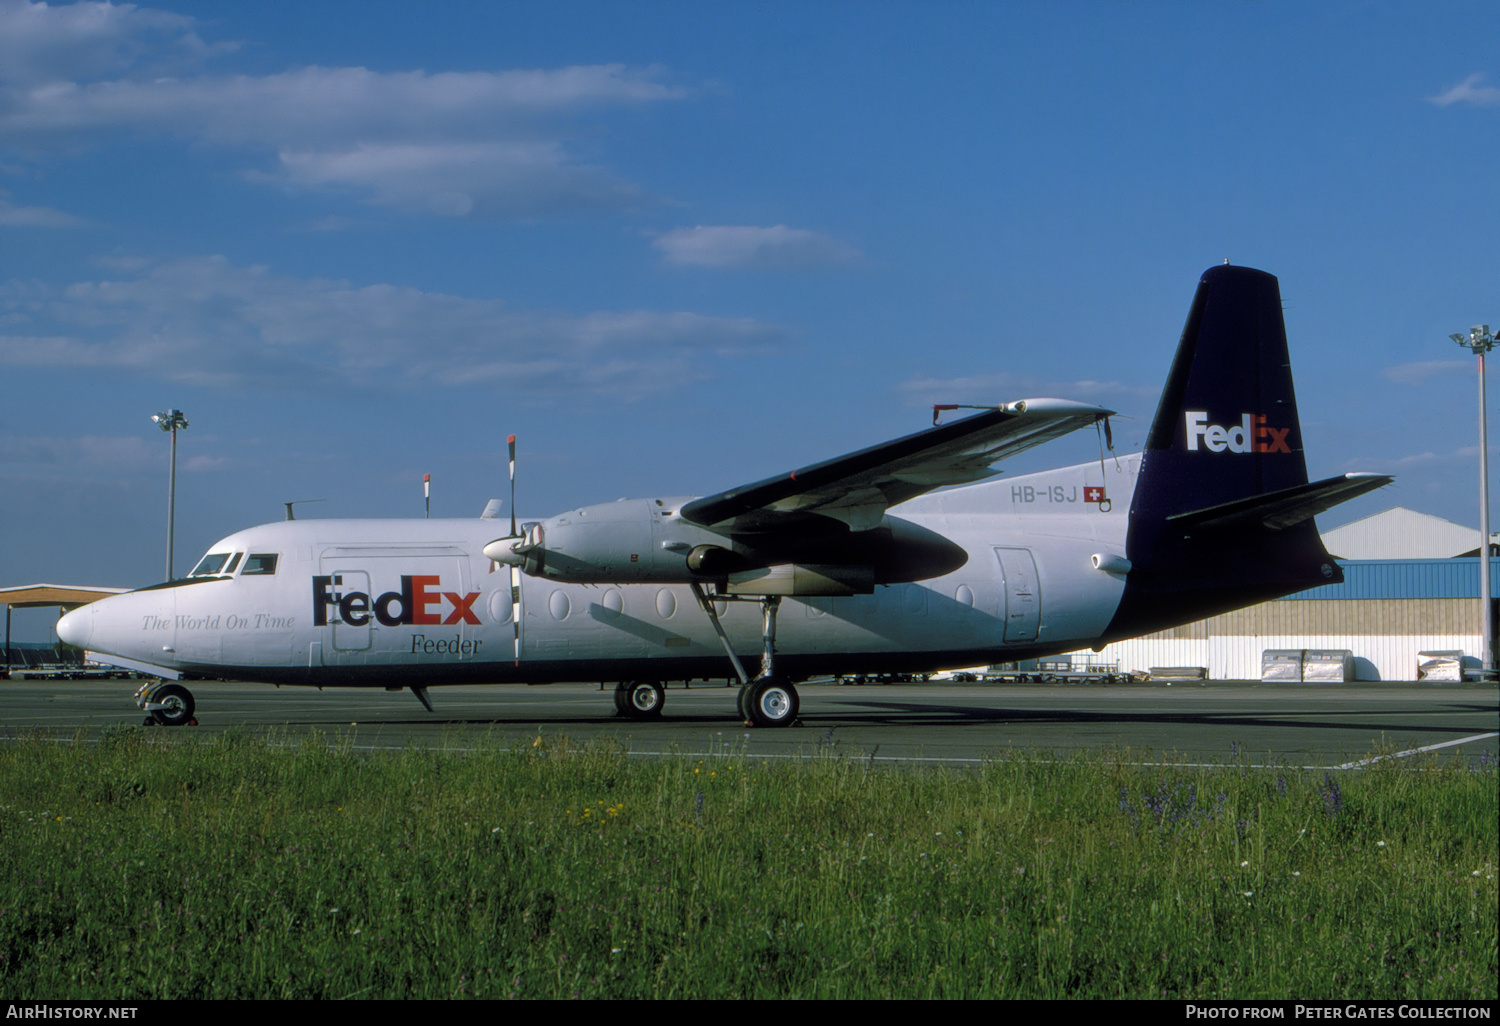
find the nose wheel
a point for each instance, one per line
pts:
(166, 704)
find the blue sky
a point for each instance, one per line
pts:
(679, 247)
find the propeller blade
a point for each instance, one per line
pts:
(512, 441)
(515, 568)
(515, 607)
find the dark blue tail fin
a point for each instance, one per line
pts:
(1222, 515)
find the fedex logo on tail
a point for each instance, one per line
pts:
(1251, 434)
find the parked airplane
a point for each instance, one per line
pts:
(854, 565)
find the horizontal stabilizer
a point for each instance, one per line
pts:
(1281, 509)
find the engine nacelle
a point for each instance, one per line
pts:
(638, 541)
(716, 561)
(630, 541)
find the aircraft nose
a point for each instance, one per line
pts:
(76, 628)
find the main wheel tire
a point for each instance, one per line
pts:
(740, 706)
(771, 702)
(622, 698)
(644, 700)
(177, 705)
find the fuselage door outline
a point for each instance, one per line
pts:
(351, 637)
(1022, 593)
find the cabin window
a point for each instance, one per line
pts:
(210, 565)
(259, 563)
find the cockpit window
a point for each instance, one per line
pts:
(233, 563)
(259, 563)
(210, 565)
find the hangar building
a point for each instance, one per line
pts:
(1411, 586)
(29, 596)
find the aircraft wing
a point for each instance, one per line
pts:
(859, 487)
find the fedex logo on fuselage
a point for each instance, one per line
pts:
(418, 592)
(1251, 434)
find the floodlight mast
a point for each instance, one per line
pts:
(171, 421)
(1480, 341)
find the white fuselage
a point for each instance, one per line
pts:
(415, 602)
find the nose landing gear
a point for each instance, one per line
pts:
(166, 704)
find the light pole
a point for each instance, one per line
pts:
(171, 421)
(1480, 341)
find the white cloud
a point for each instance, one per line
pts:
(199, 464)
(1471, 91)
(1415, 462)
(206, 322)
(746, 247)
(1421, 371)
(333, 107)
(41, 42)
(1004, 388)
(12, 216)
(453, 144)
(523, 179)
(456, 144)
(86, 452)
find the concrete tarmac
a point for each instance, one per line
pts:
(1318, 725)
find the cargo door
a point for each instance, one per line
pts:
(353, 634)
(399, 604)
(1022, 594)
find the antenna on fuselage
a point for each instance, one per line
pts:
(297, 502)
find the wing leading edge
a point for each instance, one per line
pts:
(859, 487)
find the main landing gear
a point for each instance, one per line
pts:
(166, 704)
(770, 700)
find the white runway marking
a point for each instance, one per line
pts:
(1418, 751)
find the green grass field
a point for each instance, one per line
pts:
(150, 866)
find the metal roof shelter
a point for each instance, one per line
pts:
(65, 595)
(27, 596)
(1401, 533)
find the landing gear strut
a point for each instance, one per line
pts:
(770, 700)
(167, 705)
